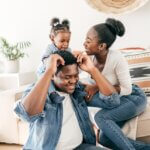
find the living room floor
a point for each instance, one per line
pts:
(10, 147)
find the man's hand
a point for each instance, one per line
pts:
(34, 102)
(85, 63)
(53, 62)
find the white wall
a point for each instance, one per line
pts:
(29, 20)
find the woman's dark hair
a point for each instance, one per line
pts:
(68, 57)
(58, 26)
(108, 31)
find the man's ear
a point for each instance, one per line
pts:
(51, 36)
(102, 46)
(54, 77)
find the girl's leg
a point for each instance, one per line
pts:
(106, 120)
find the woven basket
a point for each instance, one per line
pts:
(116, 6)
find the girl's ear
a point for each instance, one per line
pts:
(102, 46)
(51, 36)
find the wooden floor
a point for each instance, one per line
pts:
(10, 147)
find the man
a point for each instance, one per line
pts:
(60, 120)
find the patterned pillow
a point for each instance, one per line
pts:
(139, 65)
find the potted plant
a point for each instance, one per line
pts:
(13, 53)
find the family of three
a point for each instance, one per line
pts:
(56, 106)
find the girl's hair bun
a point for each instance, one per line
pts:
(54, 22)
(115, 26)
(66, 22)
(56, 25)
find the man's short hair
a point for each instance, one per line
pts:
(68, 57)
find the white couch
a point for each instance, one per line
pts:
(14, 130)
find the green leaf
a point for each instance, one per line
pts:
(13, 52)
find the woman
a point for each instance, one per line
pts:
(114, 71)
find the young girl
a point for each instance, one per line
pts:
(114, 73)
(60, 37)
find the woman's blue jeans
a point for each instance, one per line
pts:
(89, 147)
(110, 121)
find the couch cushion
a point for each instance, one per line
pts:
(23, 131)
(139, 65)
(8, 123)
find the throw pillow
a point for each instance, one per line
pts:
(139, 65)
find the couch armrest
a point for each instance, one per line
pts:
(9, 134)
(19, 92)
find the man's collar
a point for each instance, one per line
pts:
(78, 94)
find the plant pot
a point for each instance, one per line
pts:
(1, 67)
(12, 66)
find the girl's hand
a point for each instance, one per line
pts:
(85, 63)
(53, 62)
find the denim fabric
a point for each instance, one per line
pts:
(137, 144)
(105, 102)
(110, 120)
(45, 128)
(51, 48)
(89, 147)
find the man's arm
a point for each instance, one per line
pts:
(34, 102)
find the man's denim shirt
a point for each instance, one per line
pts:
(45, 128)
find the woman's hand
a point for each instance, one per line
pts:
(91, 90)
(117, 87)
(53, 62)
(76, 53)
(85, 63)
